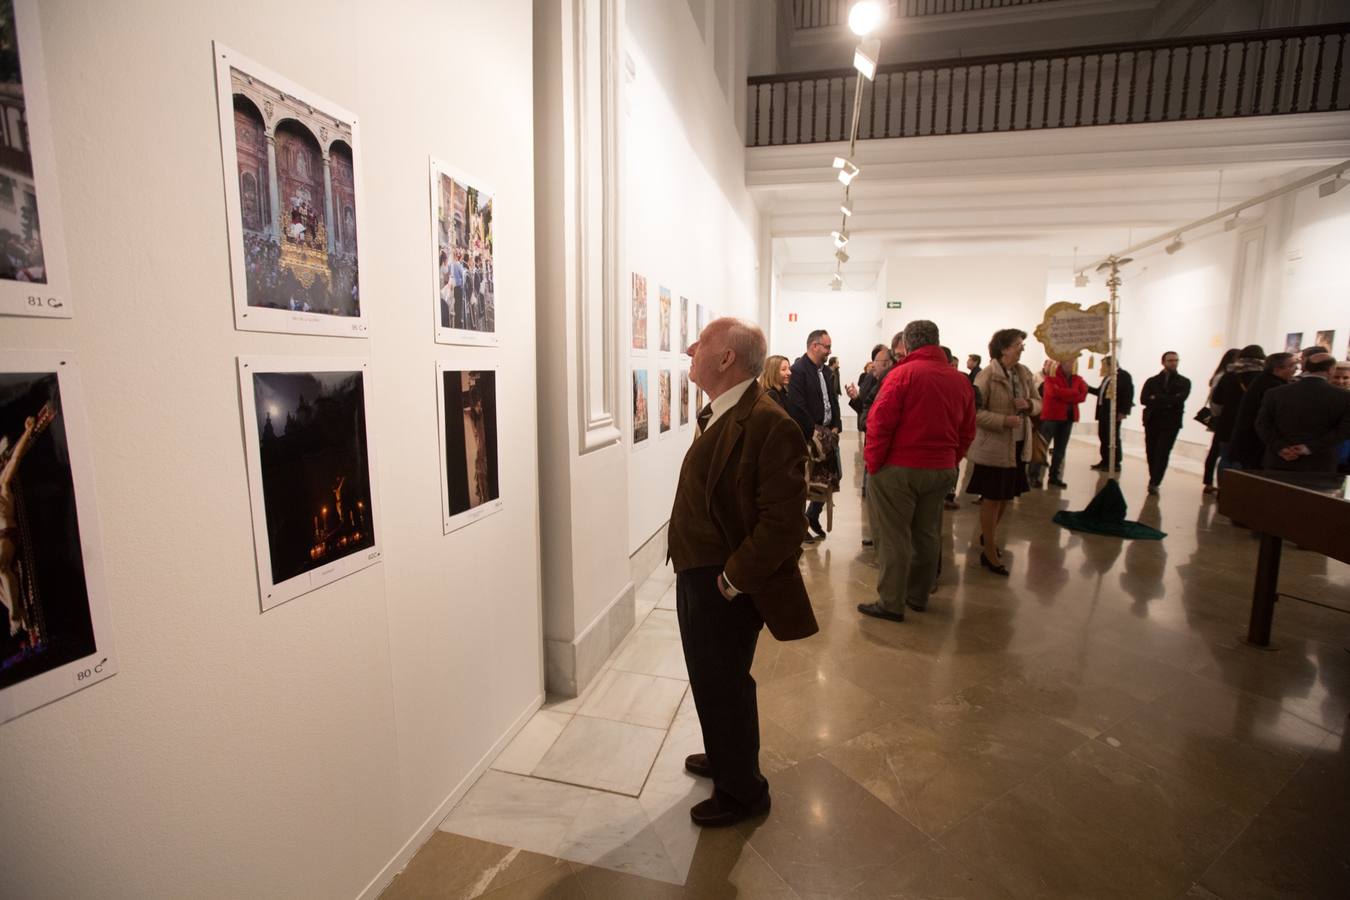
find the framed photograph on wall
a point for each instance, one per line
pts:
(639, 314)
(684, 399)
(293, 202)
(641, 426)
(462, 261)
(1326, 339)
(704, 317)
(684, 325)
(665, 320)
(33, 273)
(55, 626)
(311, 472)
(1293, 342)
(470, 471)
(663, 404)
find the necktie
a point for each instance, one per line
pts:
(704, 415)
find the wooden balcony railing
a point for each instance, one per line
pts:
(828, 13)
(1259, 73)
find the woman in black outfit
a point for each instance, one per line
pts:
(1212, 459)
(774, 380)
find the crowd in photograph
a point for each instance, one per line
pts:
(274, 284)
(932, 433)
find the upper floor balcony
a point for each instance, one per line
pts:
(1259, 73)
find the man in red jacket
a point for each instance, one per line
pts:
(918, 429)
(1062, 392)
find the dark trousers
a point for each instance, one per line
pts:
(719, 637)
(1158, 441)
(1057, 434)
(1104, 436)
(1211, 460)
(813, 510)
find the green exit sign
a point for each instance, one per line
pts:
(892, 304)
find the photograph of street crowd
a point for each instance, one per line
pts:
(639, 312)
(467, 296)
(663, 393)
(314, 468)
(295, 177)
(639, 406)
(21, 256)
(470, 417)
(45, 615)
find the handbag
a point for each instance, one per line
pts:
(1204, 416)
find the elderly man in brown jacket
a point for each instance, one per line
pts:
(735, 537)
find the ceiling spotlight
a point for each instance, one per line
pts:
(847, 170)
(1327, 188)
(840, 238)
(865, 16)
(841, 255)
(1174, 246)
(865, 58)
(837, 282)
(1080, 280)
(846, 208)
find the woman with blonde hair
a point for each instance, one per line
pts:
(1007, 402)
(774, 380)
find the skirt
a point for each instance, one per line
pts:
(999, 483)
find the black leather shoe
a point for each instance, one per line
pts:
(719, 812)
(867, 542)
(819, 532)
(1100, 467)
(988, 564)
(1057, 484)
(697, 764)
(876, 611)
(916, 608)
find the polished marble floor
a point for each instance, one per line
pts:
(1090, 727)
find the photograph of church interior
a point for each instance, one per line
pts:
(976, 523)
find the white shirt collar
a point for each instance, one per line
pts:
(725, 402)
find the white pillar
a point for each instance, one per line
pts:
(328, 217)
(274, 193)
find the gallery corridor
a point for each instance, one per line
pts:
(1090, 727)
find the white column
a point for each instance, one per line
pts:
(274, 193)
(328, 217)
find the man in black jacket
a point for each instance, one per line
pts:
(1106, 418)
(1227, 397)
(1305, 423)
(1246, 450)
(861, 397)
(1164, 400)
(972, 366)
(810, 403)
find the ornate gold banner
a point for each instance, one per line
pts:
(1068, 329)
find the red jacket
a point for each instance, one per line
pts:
(923, 417)
(1061, 395)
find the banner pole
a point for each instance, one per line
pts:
(1113, 282)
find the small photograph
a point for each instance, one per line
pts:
(469, 479)
(32, 250)
(1293, 342)
(665, 320)
(639, 406)
(684, 397)
(55, 629)
(700, 401)
(1326, 339)
(310, 472)
(684, 324)
(461, 209)
(663, 399)
(291, 190)
(639, 312)
(704, 317)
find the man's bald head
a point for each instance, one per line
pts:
(728, 351)
(1320, 362)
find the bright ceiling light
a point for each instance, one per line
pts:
(840, 238)
(837, 282)
(846, 208)
(1080, 280)
(1174, 246)
(847, 170)
(865, 16)
(1327, 188)
(841, 255)
(865, 58)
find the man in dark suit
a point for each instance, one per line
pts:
(1246, 450)
(1164, 400)
(972, 366)
(1305, 423)
(735, 537)
(811, 402)
(1106, 417)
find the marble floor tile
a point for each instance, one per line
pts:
(964, 752)
(1274, 859)
(533, 741)
(598, 753)
(558, 883)
(825, 833)
(455, 867)
(517, 811)
(614, 832)
(821, 710)
(651, 654)
(660, 623)
(929, 872)
(635, 699)
(667, 600)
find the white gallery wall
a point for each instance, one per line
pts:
(853, 319)
(690, 225)
(300, 752)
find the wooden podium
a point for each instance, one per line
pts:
(1312, 509)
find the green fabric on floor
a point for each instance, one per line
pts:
(1106, 515)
